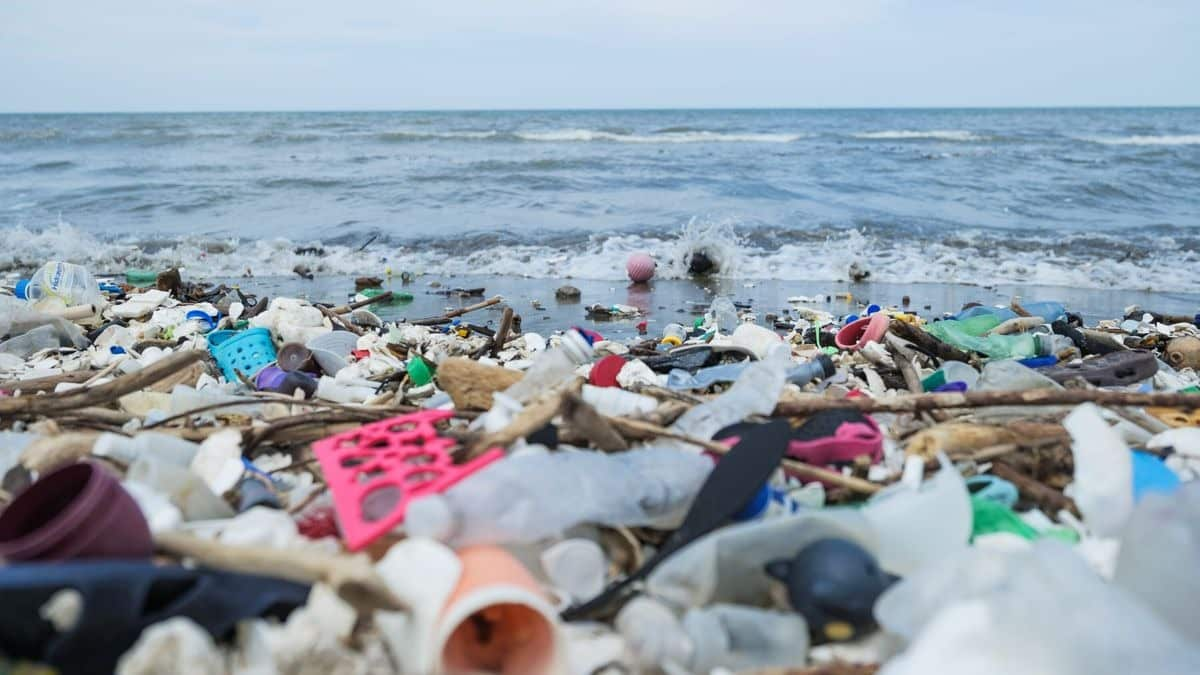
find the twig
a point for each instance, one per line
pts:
(104, 393)
(337, 319)
(502, 333)
(345, 309)
(433, 321)
(39, 384)
(983, 399)
(1034, 489)
(797, 467)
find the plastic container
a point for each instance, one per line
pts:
(1012, 376)
(857, 334)
(332, 350)
(247, 352)
(77, 511)
(674, 334)
(141, 278)
(552, 367)
(951, 371)
(272, 378)
(294, 357)
(755, 338)
(60, 284)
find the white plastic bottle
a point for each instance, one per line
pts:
(60, 284)
(501, 504)
(552, 367)
(724, 314)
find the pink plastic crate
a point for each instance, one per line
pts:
(375, 471)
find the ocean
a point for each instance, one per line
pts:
(1078, 198)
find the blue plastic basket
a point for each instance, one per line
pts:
(247, 351)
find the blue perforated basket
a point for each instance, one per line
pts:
(247, 351)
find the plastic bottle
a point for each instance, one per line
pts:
(674, 334)
(22, 346)
(60, 284)
(951, 371)
(817, 369)
(1012, 376)
(536, 495)
(755, 338)
(552, 367)
(616, 402)
(756, 392)
(162, 447)
(723, 314)
(969, 335)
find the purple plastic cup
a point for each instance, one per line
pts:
(77, 511)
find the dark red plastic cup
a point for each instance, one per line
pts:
(77, 511)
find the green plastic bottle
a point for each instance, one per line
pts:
(141, 278)
(968, 334)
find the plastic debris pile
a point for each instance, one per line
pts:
(199, 480)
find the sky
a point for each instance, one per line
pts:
(184, 55)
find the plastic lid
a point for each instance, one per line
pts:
(604, 373)
(22, 286)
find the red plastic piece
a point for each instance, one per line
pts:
(856, 335)
(360, 354)
(604, 372)
(851, 441)
(643, 327)
(384, 466)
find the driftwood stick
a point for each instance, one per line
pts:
(502, 333)
(337, 319)
(1033, 489)
(353, 578)
(346, 309)
(794, 466)
(106, 393)
(535, 415)
(983, 399)
(927, 342)
(435, 320)
(48, 383)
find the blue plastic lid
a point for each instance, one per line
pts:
(871, 309)
(850, 318)
(1039, 361)
(22, 285)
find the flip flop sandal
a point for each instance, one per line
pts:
(1111, 370)
(120, 600)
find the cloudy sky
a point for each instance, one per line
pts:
(85, 55)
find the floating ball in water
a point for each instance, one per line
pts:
(640, 267)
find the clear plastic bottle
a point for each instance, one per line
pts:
(756, 392)
(674, 334)
(723, 314)
(501, 504)
(552, 367)
(60, 284)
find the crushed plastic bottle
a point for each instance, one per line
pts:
(756, 392)
(501, 504)
(58, 285)
(552, 367)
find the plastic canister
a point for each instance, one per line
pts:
(674, 334)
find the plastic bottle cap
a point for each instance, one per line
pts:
(21, 289)
(871, 309)
(671, 340)
(604, 373)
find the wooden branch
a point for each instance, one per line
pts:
(337, 319)
(502, 333)
(534, 416)
(353, 578)
(983, 399)
(794, 466)
(445, 318)
(1033, 489)
(346, 309)
(106, 393)
(48, 383)
(927, 342)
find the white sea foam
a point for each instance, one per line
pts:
(973, 259)
(1183, 139)
(911, 135)
(588, 135)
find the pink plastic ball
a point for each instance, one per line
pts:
(640, 267)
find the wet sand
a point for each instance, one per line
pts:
(666, 301)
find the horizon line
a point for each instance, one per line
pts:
(234, 111)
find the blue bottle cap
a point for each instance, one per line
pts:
(201, 315)
(1039, 361)
(22, 285)
(871, 309)
(850, 318)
